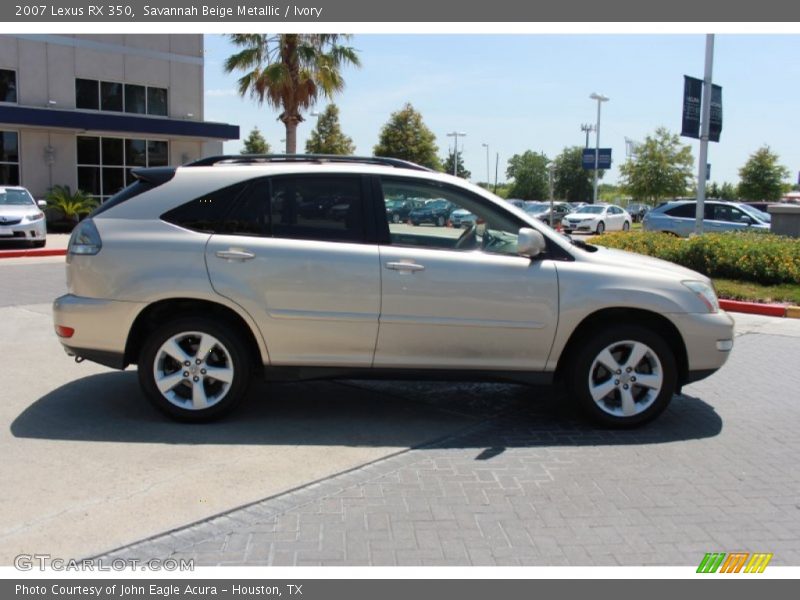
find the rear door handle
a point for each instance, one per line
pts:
(235, 254)
(404, 266)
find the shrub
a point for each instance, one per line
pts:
(763, 258)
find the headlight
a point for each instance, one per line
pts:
(34, 216)
(705, 293)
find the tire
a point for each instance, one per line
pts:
(395, 218)
(601, 227)
(611, 395)
(626, 226)
(414, 223)
(440, 221)
(225, 350)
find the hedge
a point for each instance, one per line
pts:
(762, 258)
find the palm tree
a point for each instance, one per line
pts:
(290, 71)
(72, 204)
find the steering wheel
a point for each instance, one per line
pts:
(468, 238)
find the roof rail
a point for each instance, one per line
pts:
(238, 159)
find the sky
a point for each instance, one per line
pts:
(531, 92)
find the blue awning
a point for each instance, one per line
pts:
(115, 122)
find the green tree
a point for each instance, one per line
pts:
(447, 165)
(529, 172)
(660, 167)
(407, 137)
(255, 143)
(327, 137)
(762, 176)
(570, 180)
(290, 71)
(713, 191)
(727, 191)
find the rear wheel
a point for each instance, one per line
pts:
(626, 226)
(623, 376)
(395, 218)
(440, 221)
(193, 369)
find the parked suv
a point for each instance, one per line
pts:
(678, 217)
(209, 274)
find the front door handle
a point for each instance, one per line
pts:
(235, 254)
(404, 266)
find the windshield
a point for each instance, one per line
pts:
(395, 203)
(758, 214)
(15, 198)
(437, 204)
(536, 208)
(594, 210)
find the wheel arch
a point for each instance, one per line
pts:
(164, 310)
(645, 318)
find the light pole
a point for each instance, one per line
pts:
(600, 99)
(456, 135)
(587, 128)
(551, 169)
(487, 165)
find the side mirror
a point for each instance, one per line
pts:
(41, 203)
(746, 220)
(530, 243)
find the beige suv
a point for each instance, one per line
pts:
(288, 267)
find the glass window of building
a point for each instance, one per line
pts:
(9, 158)
(8, 85)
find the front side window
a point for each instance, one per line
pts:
(483, 227)
(325, 208)
(9, 158)
(8, 85)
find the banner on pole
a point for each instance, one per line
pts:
(692, 95)
(715, 122)
(603, 158)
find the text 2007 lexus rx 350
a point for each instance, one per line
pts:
(210, 274)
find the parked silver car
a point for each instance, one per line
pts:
(206, 275)
(597, 218)
(21, 217)
(678, 217)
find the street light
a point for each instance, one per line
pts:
(487, 164)
(456, 135)
(551, 169)
(600, 99)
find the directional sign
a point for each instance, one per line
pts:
(603, 162)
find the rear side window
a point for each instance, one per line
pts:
(684, 210)
(237, 209)
(324, 208)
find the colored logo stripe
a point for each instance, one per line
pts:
(735, 562)
(758, 562)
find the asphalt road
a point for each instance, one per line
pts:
(35, 282)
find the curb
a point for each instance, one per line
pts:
(23, 253)
(755, 308)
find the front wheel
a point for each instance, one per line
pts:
(440, 221)
(623, 376)
(194, 369)
(601, 227)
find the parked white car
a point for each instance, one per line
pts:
(21, 217)
(597, 218)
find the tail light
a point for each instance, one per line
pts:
(85, 239)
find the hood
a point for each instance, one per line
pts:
(18, 210)
(461, 212)
(640, 262)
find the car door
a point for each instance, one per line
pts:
(725, 217)
(306, 276)
(454, 298)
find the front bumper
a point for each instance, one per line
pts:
(708, 339)
(101, 327)
(20, 232)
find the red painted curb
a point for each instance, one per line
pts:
(23, 253)
(754, 308)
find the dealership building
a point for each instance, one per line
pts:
(84, 110)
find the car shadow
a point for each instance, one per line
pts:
(109, 407)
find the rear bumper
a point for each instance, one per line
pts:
(100, 327)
